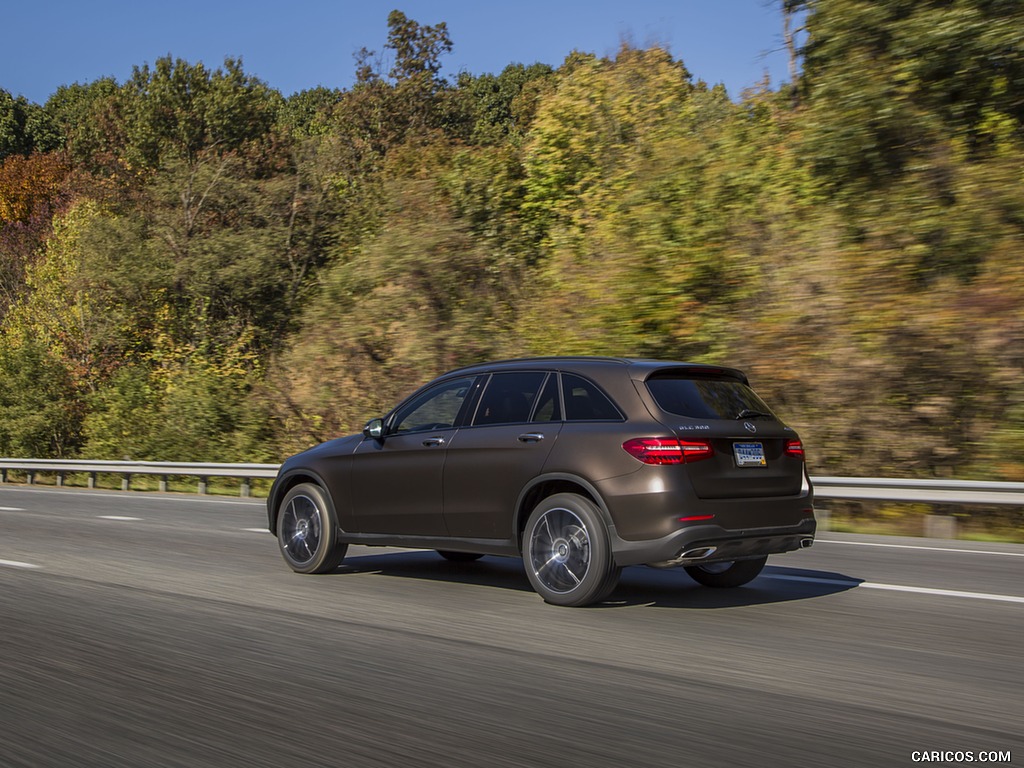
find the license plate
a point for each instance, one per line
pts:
(749, 454)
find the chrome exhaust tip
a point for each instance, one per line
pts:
(694, 555)
(806, 543)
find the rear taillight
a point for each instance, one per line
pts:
(668, 450)
(795, 448)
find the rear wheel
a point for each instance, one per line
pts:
(734, 573)
(566, 552)
(307, 531)
(459, 557)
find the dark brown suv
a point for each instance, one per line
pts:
(579, 465)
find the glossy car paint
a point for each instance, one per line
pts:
(472, 487)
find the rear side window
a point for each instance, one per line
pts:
(585, 402)
(701, 397)
(509, 398)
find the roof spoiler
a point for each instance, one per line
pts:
(699, 371)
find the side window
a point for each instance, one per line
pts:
(508, 398)
(585, 402)
(548, 406)
(437, 408)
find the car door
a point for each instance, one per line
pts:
(490, 460)
(397, 480)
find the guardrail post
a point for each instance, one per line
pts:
(60, 479)
(92, 480)
(3, 475)
(126, 482)
(202, 486)
(163, 484)
(939, 527)
(30, 476)
(246, 490)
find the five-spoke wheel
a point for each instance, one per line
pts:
(566, 552)
(307, 531)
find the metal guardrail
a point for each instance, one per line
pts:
(163, 469)
(922, 491)
(847, 488)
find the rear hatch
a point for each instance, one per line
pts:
(753, 454)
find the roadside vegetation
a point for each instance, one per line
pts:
(196, 267)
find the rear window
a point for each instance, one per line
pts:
(699, 397)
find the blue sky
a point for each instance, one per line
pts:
(297, 44)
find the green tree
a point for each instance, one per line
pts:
(181, 112)
(417, 48)
(888, 84)
(307, 113)
(121, 416)
(15, 115)
(40, 411)
(411, 100)
(601, 114)
(85, 121)
(503, 106)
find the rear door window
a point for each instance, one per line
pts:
(706, 397)
(509, 398)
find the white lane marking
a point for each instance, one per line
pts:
(16, 564)
(11, 509)
(917, 546)
(136, 495)
(118, 517)
(898, 588)
(257, 530)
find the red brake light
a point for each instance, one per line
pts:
(668, 450)
(795, 448)
(696, 450)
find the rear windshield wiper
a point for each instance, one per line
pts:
(747, 413)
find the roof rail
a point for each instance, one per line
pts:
(549, 359)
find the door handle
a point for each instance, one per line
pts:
(432, 442)
(531, 437)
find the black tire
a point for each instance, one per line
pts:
(566, 552)
(307, 531)
(459, 557)
(727, 574)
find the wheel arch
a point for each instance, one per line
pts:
(548, 485)
(285, 483)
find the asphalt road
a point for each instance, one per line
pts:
(179, 638)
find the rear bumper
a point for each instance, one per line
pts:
(727, 544)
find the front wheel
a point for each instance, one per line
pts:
(566, 552)
(734, 573)
(307, 531)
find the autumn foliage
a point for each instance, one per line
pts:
(224, 273)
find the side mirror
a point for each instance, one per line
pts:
(374, 428)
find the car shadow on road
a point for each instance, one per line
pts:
(672, 588)
(499, 572)
(639, 585)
